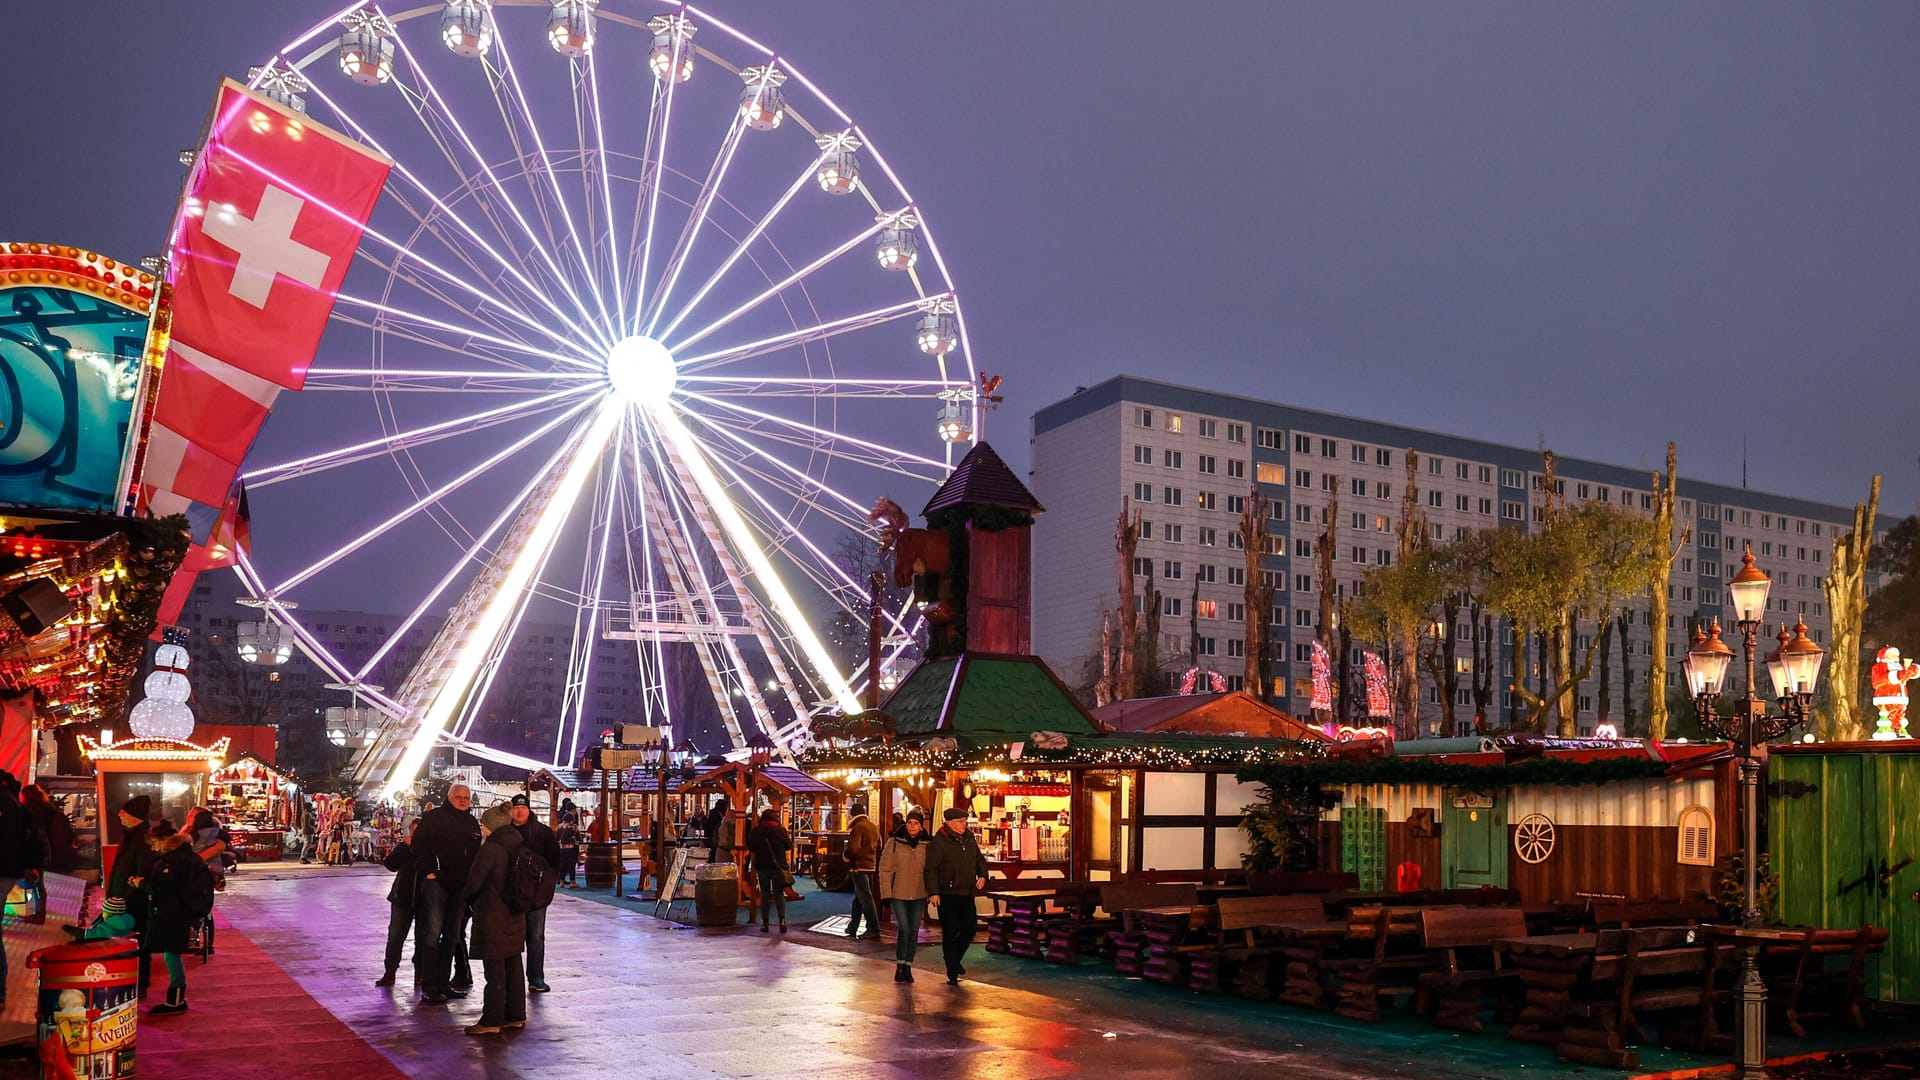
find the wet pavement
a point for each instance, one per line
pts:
(637, 997)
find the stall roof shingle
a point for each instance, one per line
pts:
(982, 479)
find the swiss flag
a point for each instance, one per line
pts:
(220, 406)
(275, 208)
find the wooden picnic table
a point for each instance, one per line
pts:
(1307, 947)
(1020, 897)
(1573, 999)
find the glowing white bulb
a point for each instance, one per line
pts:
(641, 372)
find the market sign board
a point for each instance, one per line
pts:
(73, 330)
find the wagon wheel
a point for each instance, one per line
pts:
(1533, 838)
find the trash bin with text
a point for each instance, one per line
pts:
(88, 1009)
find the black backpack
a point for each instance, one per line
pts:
(530, 881)
(196, 891)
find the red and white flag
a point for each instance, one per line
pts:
(273, 212)
(272, 217)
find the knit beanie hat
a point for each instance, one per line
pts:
(497, 817)
(138, 806)
(915, 815)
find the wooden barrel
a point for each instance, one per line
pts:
(603, 865)
(716, 895)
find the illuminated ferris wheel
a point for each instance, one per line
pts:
(642, 320)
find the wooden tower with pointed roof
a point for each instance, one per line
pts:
(987, 514)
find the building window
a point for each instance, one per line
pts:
(1235, 648)
(1275, 545)
(1237, 433)
(1359, 453)
(1173, 422)
(1236, 504)
(1303, 583)
(1146, 529)
(1434, 500)
(1171, 606)
(1383, 457)
(1142, 455)
(1328, 481)
(1302, 444)
(1142, 493)
(1329, 448)
(1204, 500)
(1433, 467)
(1511, 511)
(1207, 609)
(1207, 463)
(1302, 478)
(1142, 566)
(1303, 513)
(1696, 836)
(1237, 469)
(1359, 487)
(1143, 418)
(1171, 496)
(1172, 459)
(1203, 572)
(1209, 538)
(1303, 548)
(1383, 491)
(1174, 533)
(1510, 478)
(1267, 472)
(1207, 429)
(1272, 440)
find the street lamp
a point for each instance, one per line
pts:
(1794, 668)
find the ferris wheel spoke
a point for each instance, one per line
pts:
(429, 102)
(586, 622)
(390, 312)
(777, 288)
(741, 248)
(446, 212)
(793, 473)
(422, 380)
(752, 387)
(653, 171)
(606, 192)
(696, 219)
(820, 332)
(519, 96)
(433, 497)
(404, 440)
(826, 441)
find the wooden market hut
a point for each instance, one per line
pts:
(1233, 713)
(744, 784)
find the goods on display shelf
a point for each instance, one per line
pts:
(256, 803)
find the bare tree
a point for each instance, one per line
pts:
(1253, 543)
(1663, 490)
(1126, 541)
(1329, 629)
(1411, 532)
(1846, 593)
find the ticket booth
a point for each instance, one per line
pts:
(171, 773)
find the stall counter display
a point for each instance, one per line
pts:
(254, 801)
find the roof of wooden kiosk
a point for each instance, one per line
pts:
(985, 696)
(982, 479)
(1233, 713)
(785, 778)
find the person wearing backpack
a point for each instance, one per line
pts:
(494, 888)
(180, 893)
(540, 841)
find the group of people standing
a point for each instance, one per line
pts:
(475, 889)
(160, 889)
(910, 870)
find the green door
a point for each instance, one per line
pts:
(1838, 824)
(1473, 841)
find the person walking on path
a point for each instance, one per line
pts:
(62, 854)
(499, 932)
(180, 888)
(769, 843)
(403, 902)
(863, 858)
(903, 882)
(956, 872)
(541, 841)
(568, 835)
(443, 850)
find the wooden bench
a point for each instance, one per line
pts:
(1126, 946)
(1382, 969)
(1464, 967)
(1804, 984)
(1239, 951)
(1632, 973)
(1631, 914)
(1283, 882)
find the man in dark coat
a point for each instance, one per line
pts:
(956, 870)
(444, 847)
(541, 841)
(499, 932)
(715, 823)
(403, 900)
(22, 852)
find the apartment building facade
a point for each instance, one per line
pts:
(1189, 458)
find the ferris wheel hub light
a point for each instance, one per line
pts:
(641, 372)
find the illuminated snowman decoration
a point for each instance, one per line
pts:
(164, 713)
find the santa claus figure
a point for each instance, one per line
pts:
(1890, 678)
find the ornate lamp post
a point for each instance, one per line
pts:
(1794, 669)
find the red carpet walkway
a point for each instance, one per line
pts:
(248, 1019)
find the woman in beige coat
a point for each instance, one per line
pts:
(903, 882)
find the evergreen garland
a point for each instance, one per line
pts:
(1427, 770)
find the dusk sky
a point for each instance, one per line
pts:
(1597, 227)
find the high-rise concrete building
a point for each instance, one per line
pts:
(1188, 459)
